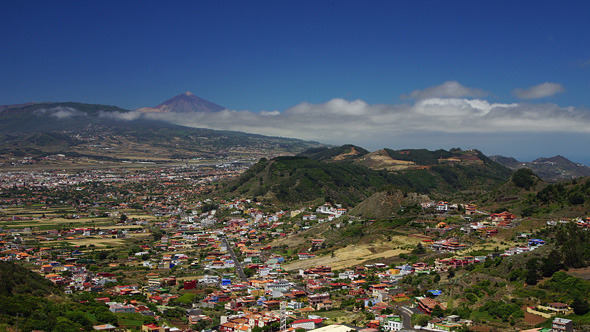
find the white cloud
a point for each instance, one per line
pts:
(449, 89)
(434, 122)
(129, 116)
(60, 112)
(270, 113)
(543, 90)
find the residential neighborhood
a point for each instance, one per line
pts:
(162, 260)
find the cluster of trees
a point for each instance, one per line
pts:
(553, 196)
(571, 290)
(574, 245)
(537, 268)
(524, 178)
(559, 193)
(36, 313)
(502, 310)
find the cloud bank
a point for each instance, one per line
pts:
(340, 120)
(546, 89)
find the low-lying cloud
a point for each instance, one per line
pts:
(129, 116)
(543, 90)
(60, 112)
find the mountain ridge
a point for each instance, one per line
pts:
(554, 169)
(103, 132)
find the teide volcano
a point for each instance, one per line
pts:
(184, 103)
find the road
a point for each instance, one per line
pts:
(237, 263)
(406, 314)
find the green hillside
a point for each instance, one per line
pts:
(300, 179)
(16, 280)
(528, 195)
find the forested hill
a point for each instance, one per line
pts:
(29, 302)
(529, 195)
(301, 179)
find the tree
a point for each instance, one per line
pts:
(576, 199)
(106, 317)
(79, 317)
(451, 272)
(66, 325)
(419, 250)
(420, 319)
(437, 311)
(580, 306)
(551, 263)
(157, 234)
(275, 326)
(532, 276)
(248, 272)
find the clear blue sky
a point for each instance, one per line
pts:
(267, 55)
(274, 55)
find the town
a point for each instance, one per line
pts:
(144, 245)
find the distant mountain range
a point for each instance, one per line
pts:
(184, 103)
(109, 133)
(52, 116)
(48, 127)
(556, 168)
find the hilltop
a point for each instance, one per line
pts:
(344, 153)
(423, 170)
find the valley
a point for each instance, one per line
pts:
(335, 242)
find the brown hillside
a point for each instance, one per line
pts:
(380, 159)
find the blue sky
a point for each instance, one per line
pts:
(256, 57)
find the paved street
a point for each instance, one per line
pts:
(406, 314)
(237, 263)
